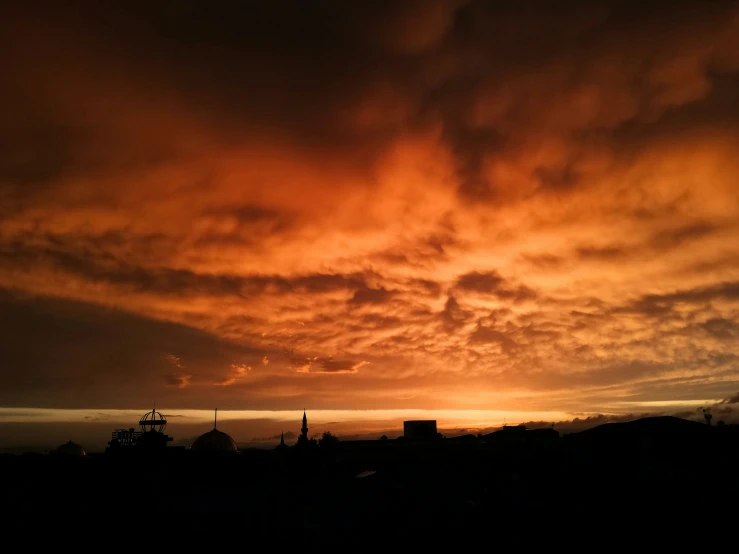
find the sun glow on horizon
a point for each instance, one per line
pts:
(480, 418)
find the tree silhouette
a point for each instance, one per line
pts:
(327, 440)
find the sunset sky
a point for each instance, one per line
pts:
(474, 210)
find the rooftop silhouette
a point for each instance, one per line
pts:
(470, 479)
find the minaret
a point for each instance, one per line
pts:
(304, 429)
(282, 439)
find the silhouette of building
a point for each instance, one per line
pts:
(303, 438)
(214, 441)
(152, 425)
(282, 445)
(150, 435)
(69, 449)
(420, 430)
(124, 438)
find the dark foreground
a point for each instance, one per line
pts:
(658, 479)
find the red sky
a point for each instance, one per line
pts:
(351, 206)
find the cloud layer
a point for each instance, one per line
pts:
(344, 205)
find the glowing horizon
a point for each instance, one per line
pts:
(478, 417)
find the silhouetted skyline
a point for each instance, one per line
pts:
(422, 491)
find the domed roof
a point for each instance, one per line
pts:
(70, 449)
(214, 441)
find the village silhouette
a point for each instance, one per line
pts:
(357, 495)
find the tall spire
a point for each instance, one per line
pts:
(215, 419)
(282, 439)
(304, 429)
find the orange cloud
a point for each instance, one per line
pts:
(235, 372)
(179, 380)
(441, 206)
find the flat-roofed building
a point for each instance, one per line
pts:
(420, 430)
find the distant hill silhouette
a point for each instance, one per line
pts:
(657, 424)
(467, 437)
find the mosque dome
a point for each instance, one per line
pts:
(214, 442)
(70, 449)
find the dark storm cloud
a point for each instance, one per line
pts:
(608, 253)
(428, 286)
(683, 313)
(484, 335)
(367, 295)
(662, 304)
(453, 316)
(547, 93)
(252, 224)
(728, 291)
(104, 268)
(245, 62)
(544, 261)
(673, 238)
(647, 306)
(734, 399)
(492, 283)
(424, 253)
(480, 282)
(111, 354)
(659, 242)
(376, 321)
(721, 328)
(247, 214)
